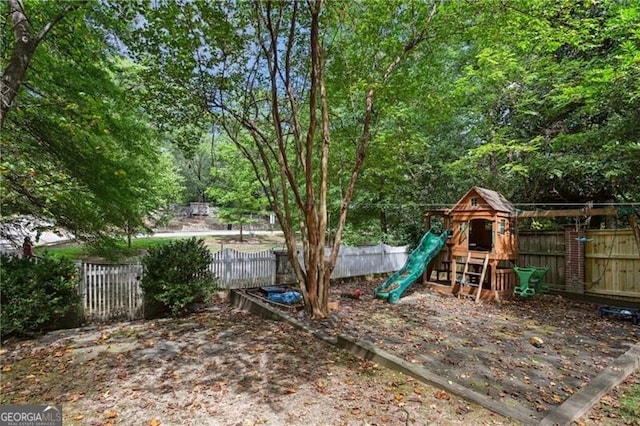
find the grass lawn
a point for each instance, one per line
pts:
(630, 402)
(120, 251)
(75, 250)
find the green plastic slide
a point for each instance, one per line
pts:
(429, 247)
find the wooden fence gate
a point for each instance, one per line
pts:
(111, 292)
(544, 248)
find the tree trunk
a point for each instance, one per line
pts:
(297, 186)
(383, 223)
(23, 50)
(25, 46)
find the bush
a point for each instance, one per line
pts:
(36, 294)
(176, 275)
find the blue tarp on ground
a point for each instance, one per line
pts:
(286, 298)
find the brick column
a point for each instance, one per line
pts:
(574, 261)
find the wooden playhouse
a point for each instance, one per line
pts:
(483, 245)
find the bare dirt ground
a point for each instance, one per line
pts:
(225, 367)
(217, 367)
(487, 346)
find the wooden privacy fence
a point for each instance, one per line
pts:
(112, 292)
(609, 259)
(544, 248)
(612, 263)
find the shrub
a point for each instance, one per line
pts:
(176, 275)
(36, 294)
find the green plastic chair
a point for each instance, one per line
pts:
(537, 279)
(524, 277)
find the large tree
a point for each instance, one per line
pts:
(261, 69)
(235, 191)
(553, 97)
(29, 31)
(77, 148)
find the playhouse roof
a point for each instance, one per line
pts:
(493, 199)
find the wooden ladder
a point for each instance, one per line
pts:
(467, 274)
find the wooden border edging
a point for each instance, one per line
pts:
(579, 403)
(370, 352)
(248, 303)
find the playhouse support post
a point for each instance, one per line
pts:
(493, 277)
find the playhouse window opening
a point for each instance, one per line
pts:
(480, 235)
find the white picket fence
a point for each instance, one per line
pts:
(360, 261)
(112, 292)
(235, 269)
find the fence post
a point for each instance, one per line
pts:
(274, 269)
(226, 264)
(82, 288)
(574, 267)
(284, 273)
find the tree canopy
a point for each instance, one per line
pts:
(380, 108)
(235, 190)
(553, 96)
(77, 147)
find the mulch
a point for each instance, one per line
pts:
(535, 352)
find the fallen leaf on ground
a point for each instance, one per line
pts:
(442, 395)
(607, 399)
(75, 397)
